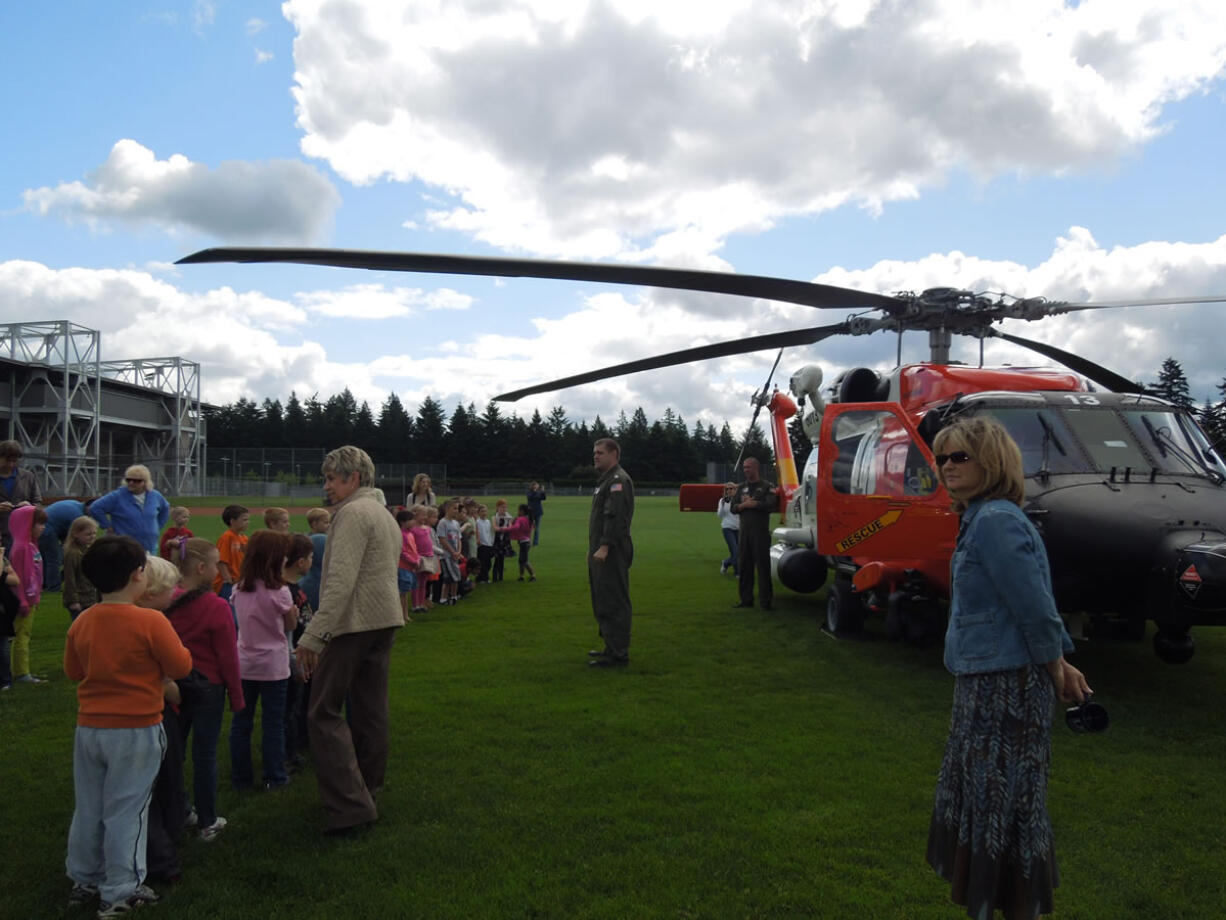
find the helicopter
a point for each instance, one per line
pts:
(1125, 488)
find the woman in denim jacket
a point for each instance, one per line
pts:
(990, 835)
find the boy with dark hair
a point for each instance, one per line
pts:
(231, 547)
(118, 654)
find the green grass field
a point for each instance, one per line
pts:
(746, 765)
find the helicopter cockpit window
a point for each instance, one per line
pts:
(1045, 441)
(876, 456)
(1167, 442)
(1109, 441)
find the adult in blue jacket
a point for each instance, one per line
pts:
(60, 516)
(135, 509)
(990, 835)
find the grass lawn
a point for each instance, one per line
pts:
(745, 765)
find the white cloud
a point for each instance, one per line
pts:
(203, 14)
(263, 57)
(255, 25)
(596, 129)
(374, 301)
(270, 201)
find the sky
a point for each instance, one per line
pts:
(1070, 150)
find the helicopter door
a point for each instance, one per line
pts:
(877, 489)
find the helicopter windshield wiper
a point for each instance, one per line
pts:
(1165, 443)
(1049, 438)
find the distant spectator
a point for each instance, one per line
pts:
(28, 523)
(17, 487)
(536, 497)
(318, 521)
(421, 494)
(170, 547)
(79, 591)
(231, 547)
(276, 519)
(135, 509)
(730, 526)
(60, 516)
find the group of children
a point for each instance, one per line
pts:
(446, 551)
(155, 652)
(157, 643)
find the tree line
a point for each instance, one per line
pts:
(487, 444)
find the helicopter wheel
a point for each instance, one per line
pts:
(923, 622)
(844, 613)
(896, 616)
(1173, 648)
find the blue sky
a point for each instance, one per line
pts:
(1036, 148)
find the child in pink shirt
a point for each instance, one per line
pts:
(406, 571)
(265, 610)
(427, 565)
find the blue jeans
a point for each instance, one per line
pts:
(112, 778)
(272, 692)
(732, 538)
(6, 672)
(201, 717)
(52, 551)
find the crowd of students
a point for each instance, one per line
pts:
(152, 690)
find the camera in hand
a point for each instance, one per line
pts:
(1087, 717)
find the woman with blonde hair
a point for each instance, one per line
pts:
(990, 835)
(421, 493)
(135, 509)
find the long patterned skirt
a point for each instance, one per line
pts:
(990, 835)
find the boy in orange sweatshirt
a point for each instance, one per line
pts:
(119, 654)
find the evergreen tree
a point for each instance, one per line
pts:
(295, 423)
(274, 424)
(340, 413)
(395, 430)
(1173, 385)
(316, 428)
(460, 444)
(366, 434)
(429, 430)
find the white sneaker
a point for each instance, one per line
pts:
(211, 832)
(29, 679)
(723, 567)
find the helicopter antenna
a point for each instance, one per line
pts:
(759, 400)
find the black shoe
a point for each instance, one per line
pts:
(739, 604)
(608, 662)
(767, 606)
(598, 653)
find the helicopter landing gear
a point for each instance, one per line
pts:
(844, 612)
(1173, 647)
(916, 619)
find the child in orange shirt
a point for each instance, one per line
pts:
(231, 547)
(119, 654)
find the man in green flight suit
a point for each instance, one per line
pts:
(755, 500)
(610, 553)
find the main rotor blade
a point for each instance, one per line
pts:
(758, 403)
(701, 353)
(1058, 308)
(786, 290)
(1096, 372)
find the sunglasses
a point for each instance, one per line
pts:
(134, 480)
(958, 456)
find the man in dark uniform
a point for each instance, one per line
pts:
(754, 502)
(610, 553)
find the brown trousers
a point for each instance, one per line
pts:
(351, 755)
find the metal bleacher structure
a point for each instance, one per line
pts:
(81, 420)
